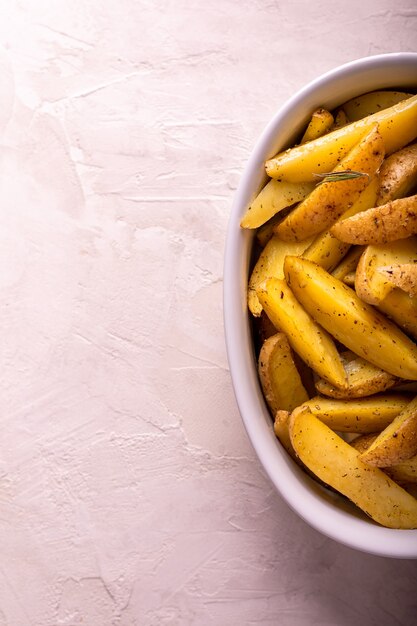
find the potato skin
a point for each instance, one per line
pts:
(398, 175)
(363, 379)
(354, 323)
(280, 380)
(338, 464)
(389, 222)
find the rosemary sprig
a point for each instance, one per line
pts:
(333, 177)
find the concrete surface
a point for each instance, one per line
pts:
(129, 493)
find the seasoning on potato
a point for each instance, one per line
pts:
(339, 208)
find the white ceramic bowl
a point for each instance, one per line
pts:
(325, 511)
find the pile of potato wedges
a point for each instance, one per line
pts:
(333, 296)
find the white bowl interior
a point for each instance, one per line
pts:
(325, 511)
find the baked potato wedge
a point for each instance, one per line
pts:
(329, 200)
(281, 430)
(363, 379)
(320, 123)
(363, 442)
(372, 102)
(362, 415)
(272, 199)
(405, 472)
(349, 279)
(328, 251)
(373, 285)
(389, 222)
(402, 275)
(307, 338)
(338, 464)
(397, 125)
(280, 380)
(397, 442)
(340, 120)
(398, 175)
(402, 309)
(348, 264)
(357, 325)
(271, 264)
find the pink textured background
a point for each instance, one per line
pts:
(129, 494)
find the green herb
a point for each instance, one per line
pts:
(334, 177)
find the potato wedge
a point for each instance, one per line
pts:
(271, 264)
(349, 279)
(398, 175)
(281, 423)
(372, 102)
(405, 472)
(338, 464)
(363, 379)
(329, 200)
(265, 232)
(320, 123)
(397, 125)
(348, 264)
(362, 415)
(373, 286)
(272, 199)
(340, 120)
(397, 442)
(402, 275)
(363, 442)
(357, 325)
(306, 337)
(328, 251)
(280, 380)
(389, 222)
(402, 309)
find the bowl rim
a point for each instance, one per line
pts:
(317, 508)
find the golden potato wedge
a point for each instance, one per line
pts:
(405, 472)
(337, 463)
(356, 324)
(306, 337)
(403, 275)
(363, 442)
(349, 279)
(397, 442)
(280, 380)
(363, 379)
(372, 102)
(281, 422)
(362, 415)
(389, 222)
(320, 123)
(402, 309)
(340, 120)
(397, 125)
(373, 286)
(329, 200)
(265, 232)
(271, 264)
(348, 264)
(398, 175)
(328, 251)
(272, 199)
